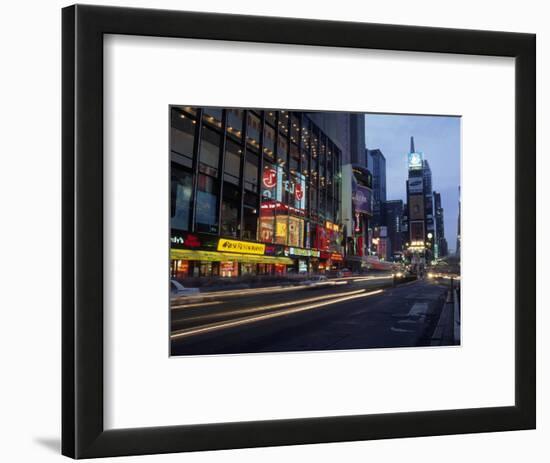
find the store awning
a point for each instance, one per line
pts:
(210, 256)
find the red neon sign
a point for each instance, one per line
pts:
(299, 192)
(269, 178)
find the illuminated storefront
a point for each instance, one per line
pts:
(253, 192)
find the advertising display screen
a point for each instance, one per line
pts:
(362, 199)
(415, 161)
(416, 185)
(416, 207)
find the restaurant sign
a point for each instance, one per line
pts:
(244, 247)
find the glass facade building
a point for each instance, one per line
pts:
(252, 192)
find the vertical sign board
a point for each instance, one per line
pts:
(416, 207)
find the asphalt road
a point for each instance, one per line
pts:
(354, 313)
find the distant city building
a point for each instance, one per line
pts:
(420, 221)
(441, 247)
(393, 214)
(376, 163)
(457, 251)
(405, 226)
(428, 203)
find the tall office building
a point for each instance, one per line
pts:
(376, 163)
(393, 214)
(428, 203)
(457, 251)
(420, 222)
(440, 247)
(415, 198)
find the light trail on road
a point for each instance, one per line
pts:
(388, 277)
(244, 321)
(196, 304)
(185, 301)
(238, 292)
(272, 306)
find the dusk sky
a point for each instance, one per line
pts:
(438, 138)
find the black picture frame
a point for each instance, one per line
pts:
(83, 433)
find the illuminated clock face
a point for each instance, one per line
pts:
(415, 160)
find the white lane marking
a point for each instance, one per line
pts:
(418, 308)
(244, 321)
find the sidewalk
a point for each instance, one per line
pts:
(447, 331)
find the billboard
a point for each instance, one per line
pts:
(415, 161)
(416, 207)
(417, 232)
(362, 199)
(416, 185)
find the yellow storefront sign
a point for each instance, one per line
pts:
(211, 256)
(244, 247)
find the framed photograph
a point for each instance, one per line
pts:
(284, 231)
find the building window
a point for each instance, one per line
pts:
(294, 159)
(210, 152)
(305, 163)
(181, 188)
(250, 218)
(314, 201)
(322, 163)
(206, 206)
(269, 141)
(283, 122)
(232, 167)
(294, 129)
(235, 122)
(282, 150)
(230, 212)
(271, 116)
(213, 116)
(182, 138)
(254, 128)
(251, 172)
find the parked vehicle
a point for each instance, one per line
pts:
(178, 290)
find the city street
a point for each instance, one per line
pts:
(352, 313)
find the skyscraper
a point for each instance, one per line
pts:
(394, 221)
(457, 251)
(415, 198)
(376, 163)
(441, 241)
(428, 202)
(420, 221)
